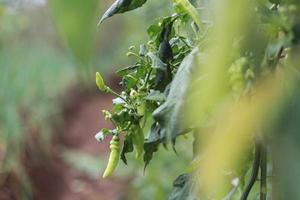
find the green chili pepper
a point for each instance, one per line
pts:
(113, 157)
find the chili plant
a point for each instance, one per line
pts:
(204, 60)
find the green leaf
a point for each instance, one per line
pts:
(129, 81)
(122, 117)
(155, 95)
(169, 115)
(191, 10)
(121, 6)
(127, 148)
(151, 144)
(127, 70)
(153, 30)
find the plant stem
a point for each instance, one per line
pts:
(263, 174)
(116, 94)
(136, 55)
(147, 78)
(255, 169)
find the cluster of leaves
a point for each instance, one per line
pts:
(146, 87)
(148, 112)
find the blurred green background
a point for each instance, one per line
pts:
(49, 106)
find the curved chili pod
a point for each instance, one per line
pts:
(113, 157)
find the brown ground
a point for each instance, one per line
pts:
(53, 179)
(57, 180)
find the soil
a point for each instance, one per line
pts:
(52, 178)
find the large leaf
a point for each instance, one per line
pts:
(121, 6)
(169, 114)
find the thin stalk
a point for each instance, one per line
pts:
(263, 174)
(109, 90)
(136, 55)
(147, 78)
(255, 169)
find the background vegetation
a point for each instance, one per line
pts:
(239, 88)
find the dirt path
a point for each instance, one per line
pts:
(54, 179)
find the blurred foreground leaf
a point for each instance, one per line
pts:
(76, 23)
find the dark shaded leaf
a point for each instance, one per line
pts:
(181, 180)
(165, 54)
(127, 148)
(152, 142)
(121, 6)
